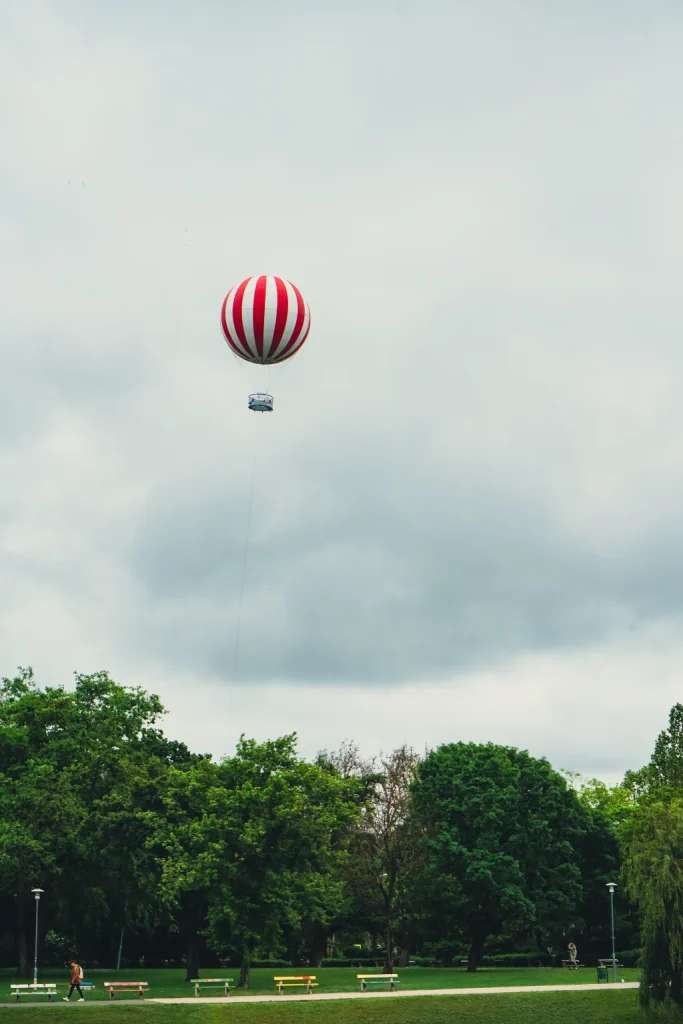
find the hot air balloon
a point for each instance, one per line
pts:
(265, 320)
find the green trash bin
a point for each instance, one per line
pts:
(603, 974)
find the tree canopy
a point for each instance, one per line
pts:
(504, 836)
(147, 848)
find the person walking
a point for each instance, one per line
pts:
(75, 978)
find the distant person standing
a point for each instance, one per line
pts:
(573, 954)
(75, 978)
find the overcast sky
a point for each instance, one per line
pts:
(466, 515)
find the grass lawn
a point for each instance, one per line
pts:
(332, 979)
(611, 1007)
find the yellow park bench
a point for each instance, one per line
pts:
(125, 986)
(377, 981)
(48, 989)
(307, 981)
(200, 983)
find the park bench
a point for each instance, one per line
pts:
(48, 989)
(125, 986)
(223, 983)
(377, 980)
(306, 981)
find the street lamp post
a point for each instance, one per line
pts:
(37, 893)
(612, 886)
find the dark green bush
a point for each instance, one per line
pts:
(356, 961)
(531, 959)
(629, 957)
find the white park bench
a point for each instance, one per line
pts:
(200, 983)
(48, 989)
(377, 981)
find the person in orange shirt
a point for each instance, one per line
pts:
(75, 976)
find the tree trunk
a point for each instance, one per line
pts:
(316, 946)
(403, 955)
(245, 968)
(389, 950)
(474, 956)
(192, 957)
(22, 940)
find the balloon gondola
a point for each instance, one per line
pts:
(261, 402)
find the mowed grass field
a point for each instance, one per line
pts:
(605, 1007)
(169, 982)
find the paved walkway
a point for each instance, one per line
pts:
(323, 996)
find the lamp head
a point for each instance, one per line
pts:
(37, 893)
(611, 886)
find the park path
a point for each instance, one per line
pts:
(323, 996)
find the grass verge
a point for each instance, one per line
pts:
(608, 1007)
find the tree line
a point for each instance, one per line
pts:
(147, 849)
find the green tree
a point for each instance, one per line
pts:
(614, 805)
(665, 769)
(386, 853)
(653, 870)
(37, 833)
(190, 849)
(263, 849)
(81, 781)
(654, 879)
(502, 832)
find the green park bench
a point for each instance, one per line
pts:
(48, 989)
(367, 981)
(307, 981)
(200, 983)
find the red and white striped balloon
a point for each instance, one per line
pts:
(265, 319)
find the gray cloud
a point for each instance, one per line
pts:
(474, 464)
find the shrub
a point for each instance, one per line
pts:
(356, 961)
(531, 959)
(629, 957)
